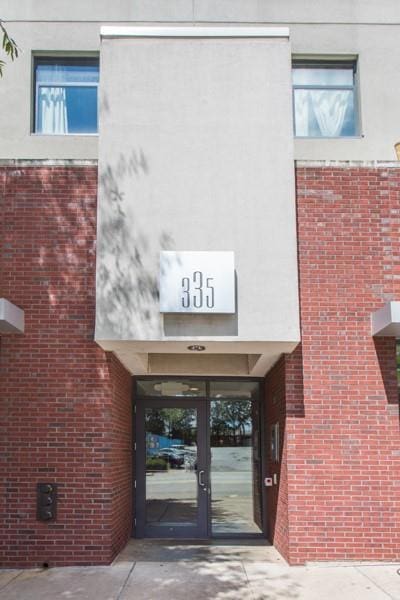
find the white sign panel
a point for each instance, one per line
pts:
(197, 282)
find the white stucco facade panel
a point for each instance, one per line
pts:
(196, 153)
(359, 29)
(267, 11)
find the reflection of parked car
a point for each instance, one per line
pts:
(176, 451)
(178, 447)
(174, 459)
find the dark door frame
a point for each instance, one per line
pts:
(139, 489)
(179, 531)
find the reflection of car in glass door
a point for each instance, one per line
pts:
(173, 458)
(171, 498)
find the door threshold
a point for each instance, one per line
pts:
(208, 550)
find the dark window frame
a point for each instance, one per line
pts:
(326, 63)
(64, 60)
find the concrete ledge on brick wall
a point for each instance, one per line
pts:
(386, 320)
(11, 317)
(348, 164)
(47, 162)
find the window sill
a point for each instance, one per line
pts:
(64, 135)
(320, 137)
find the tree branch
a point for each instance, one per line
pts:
(9, 46)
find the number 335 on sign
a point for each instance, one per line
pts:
(197, 282)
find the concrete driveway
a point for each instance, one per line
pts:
(148, 570)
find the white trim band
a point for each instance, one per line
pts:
(107, 31)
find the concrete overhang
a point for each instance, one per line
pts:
(386, 320)
(11, 317)
(240, 358)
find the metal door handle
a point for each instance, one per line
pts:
(200, 477)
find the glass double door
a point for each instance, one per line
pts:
(198, 471)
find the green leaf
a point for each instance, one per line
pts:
(9, 46)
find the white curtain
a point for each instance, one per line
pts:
(330, 109)
(321, 110)
(53, 110)
(302, 118)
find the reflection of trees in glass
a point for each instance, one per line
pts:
(230, 421)
(173, 423)
(155, 423)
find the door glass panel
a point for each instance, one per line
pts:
(171, 467)
(171, 388)
(235, 462)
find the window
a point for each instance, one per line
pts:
(66, 95)
(324, 99)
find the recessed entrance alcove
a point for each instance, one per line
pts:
(198, 458)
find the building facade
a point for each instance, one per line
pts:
(200, 278)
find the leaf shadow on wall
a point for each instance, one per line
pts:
(127, 290)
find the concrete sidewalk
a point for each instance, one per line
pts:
(175, 571)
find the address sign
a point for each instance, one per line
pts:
(197, 282)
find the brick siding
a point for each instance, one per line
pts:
(342, 412)
(65, 406)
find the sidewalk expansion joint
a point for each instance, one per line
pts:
(121, 591)
(375, 584)
(10, 581)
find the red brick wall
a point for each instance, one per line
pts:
(65, 406)
(121, 456)
(343, 448)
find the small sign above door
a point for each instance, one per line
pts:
(197, 282)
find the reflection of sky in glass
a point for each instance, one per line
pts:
(325, 77)
(82, 109)
(86, 72)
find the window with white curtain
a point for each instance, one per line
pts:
(66, 95)
(324, 98)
